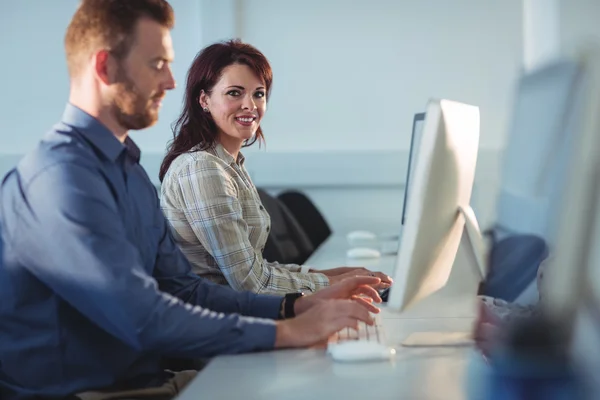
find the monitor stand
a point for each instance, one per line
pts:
(478, 247)
(454, 300)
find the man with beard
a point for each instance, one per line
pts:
(93, 290)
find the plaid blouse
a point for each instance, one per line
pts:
(220, 224)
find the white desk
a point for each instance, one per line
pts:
(415, 373)
(332, 254)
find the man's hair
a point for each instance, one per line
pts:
(110, 25)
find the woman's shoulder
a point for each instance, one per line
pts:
(196, 160)
(199, 168)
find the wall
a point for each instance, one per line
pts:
(34, 74)
(35, 81)
(579, 22)
(349, 75)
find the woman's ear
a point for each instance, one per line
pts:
(203, 99)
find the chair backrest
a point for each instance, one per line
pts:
(287, 242)
(308, 216)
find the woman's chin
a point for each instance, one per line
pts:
(239, 136)
(247, 136)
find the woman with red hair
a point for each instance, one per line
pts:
(207, 195)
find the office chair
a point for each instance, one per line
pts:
(287, 242)
(308, 216)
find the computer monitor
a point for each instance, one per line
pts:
(415, 139)
(533, 159)
(570, 288)
(438, 208)
(572, 275)
(532, 176)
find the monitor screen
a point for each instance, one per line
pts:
(417, 129)
(534, 162)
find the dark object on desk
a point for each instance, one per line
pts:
(533, 363)
(287, 242)
(307, 215)
(384, 294)
(513, 265)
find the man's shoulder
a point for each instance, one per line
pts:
(60, 147)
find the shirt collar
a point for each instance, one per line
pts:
(98, 134)
(226, 156)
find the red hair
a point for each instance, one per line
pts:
(195, 129)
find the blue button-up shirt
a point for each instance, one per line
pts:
(93, 290)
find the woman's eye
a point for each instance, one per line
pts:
(260, 95)
(234, 93)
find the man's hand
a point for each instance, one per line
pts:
(356, 288)
(338, 274)
(318, 322)
(487, 330)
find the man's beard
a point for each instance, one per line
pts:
(131, 109)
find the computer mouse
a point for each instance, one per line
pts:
(360, 350)
(360, 236)
(363, 252)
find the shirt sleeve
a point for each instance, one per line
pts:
(212, 208)
(79, 248)
(292, 267)
(289, 267)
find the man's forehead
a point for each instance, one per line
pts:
(153, 39)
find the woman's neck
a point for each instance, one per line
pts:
(232, 145)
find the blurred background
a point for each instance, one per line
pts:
(348, 77)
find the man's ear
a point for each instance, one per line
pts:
(105, 66)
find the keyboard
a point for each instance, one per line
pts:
(369, 333)
(367, 343)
